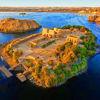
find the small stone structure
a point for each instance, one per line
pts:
(73, 39)
(21, 77)
(33, 43)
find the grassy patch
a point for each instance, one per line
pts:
(47, 44)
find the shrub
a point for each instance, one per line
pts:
(66, 27)
(50, 62)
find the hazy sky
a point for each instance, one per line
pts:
(44, 3)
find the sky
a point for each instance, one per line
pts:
(49, 3)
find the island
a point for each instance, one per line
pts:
(22, 13)
(50, 58)
(12, 25)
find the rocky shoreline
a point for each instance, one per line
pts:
(61, 83)
(95, 19)
(79, 73)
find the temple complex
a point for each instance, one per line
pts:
(46, 50)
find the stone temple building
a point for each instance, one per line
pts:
(45, 31)
(56, 32)
(73, 39)
(50, 32)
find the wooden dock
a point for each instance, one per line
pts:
(5, 71)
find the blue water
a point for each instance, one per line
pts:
(83, 87)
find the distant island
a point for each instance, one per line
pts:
(22, 13)
(12, 25)
(51, 57)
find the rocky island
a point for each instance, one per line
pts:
(22, 13)
(95, 19)
(12, 25)
(51, 57)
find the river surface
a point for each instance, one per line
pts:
(83, 87)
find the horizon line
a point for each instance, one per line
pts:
(48, 6)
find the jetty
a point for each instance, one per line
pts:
(7, 73)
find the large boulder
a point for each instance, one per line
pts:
(12, 25)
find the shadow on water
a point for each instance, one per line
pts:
(83, 87)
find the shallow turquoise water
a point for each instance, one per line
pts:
(83, 87)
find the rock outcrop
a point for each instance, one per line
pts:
(12, 25)
(95, 19)
(91, 18)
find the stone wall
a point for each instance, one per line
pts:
(20, 40)
(34, 42)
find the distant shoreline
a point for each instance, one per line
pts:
(49, 9)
